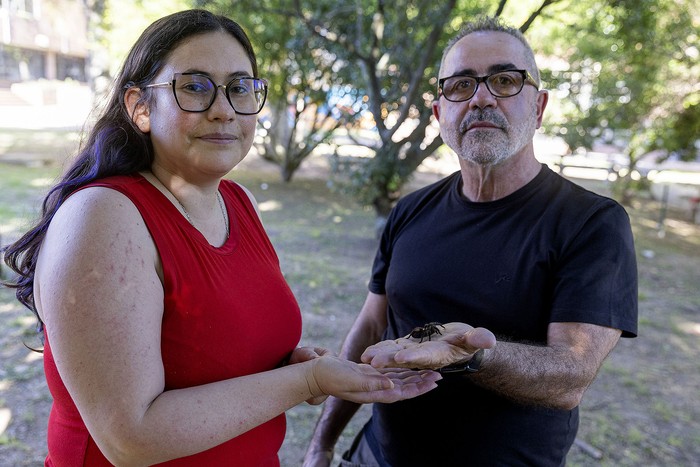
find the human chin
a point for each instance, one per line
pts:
(488, 156)
(485, 149)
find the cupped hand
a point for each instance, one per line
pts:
(363, 384)
(456, 342)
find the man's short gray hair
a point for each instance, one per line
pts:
(495, 24)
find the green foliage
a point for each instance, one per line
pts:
(305, 103)
(389, 53)
(375, 181)
(116, 24)
(679, 133)
(621, 72)
(627, 76)
(393, 52)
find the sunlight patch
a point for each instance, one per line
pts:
(5, 417)
(271, 205)
(682, 228)
(41, 182)
(33, 356)
(690, 328)
(649, 223)
(674, 176)
(5, 307)
(14, 224)
(590, 173)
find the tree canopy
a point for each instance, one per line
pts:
(620, 71)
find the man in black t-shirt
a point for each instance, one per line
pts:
(533, 277)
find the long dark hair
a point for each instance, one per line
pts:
(115, 145)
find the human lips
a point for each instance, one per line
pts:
(482, 125)
(219, 138)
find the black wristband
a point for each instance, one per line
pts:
(470, 366)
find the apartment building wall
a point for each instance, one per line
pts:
(43, 63)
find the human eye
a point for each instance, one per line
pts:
(505, 80)
(458, 87)
(194, 84)
(462, 83)
(240, 87)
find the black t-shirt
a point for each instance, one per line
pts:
(550, 252)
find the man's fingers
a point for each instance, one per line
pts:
(479, 338)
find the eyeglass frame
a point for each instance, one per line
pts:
(217, 86)
(527, 79)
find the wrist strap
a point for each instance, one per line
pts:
(470, 366)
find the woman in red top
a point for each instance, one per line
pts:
(170, 333)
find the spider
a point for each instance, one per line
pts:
(426, 330)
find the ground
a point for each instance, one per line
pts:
(642, 409)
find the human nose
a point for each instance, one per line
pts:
(482, 96)
(221, 107)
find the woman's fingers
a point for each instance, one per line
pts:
(362, 383)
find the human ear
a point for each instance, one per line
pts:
(138, 110)
(542, 99)
(436, 110)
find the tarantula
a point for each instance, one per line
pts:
(427, 330)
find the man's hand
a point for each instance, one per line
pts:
(455, 342)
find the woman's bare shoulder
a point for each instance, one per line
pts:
(98, 226)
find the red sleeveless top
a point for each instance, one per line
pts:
(228, 312)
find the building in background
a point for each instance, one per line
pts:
(43, 64)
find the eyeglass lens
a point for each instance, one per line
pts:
(196, 93)
(501, 84)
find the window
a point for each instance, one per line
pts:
(21, 64)
(70, 68)
(24, 6)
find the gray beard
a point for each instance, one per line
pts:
(485, 149)
(493, 147)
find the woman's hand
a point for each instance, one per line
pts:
(363, 384)
(455, 342)
(304, 354)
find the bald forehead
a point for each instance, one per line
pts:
(486, 52)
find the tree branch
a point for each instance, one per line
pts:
(428, 49)
(526, 25)
(501, 7)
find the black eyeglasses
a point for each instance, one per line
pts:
(507, 83)
(195, 92)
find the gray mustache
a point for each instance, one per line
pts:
(483, 116)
